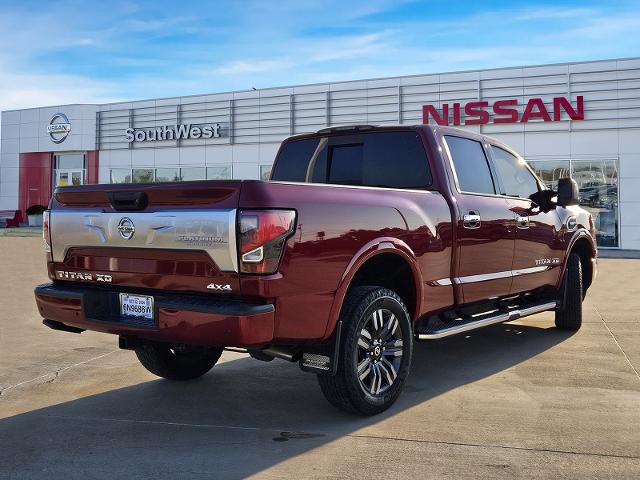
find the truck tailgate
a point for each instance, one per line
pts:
(177, 236)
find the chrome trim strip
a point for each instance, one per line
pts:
(499, 318)
(527, 271)
(427, 189)
(212, 231)
(483, 277)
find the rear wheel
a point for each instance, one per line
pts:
(375, 352)
(177, 362)
(569, 315)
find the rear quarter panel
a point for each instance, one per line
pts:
(333, 225)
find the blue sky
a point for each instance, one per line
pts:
(58, 51)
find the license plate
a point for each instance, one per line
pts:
(139, 306)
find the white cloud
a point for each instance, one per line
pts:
(549, 13)
(342, 48)
(244, 67)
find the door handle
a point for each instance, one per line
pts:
(471, 220)
(522, 222)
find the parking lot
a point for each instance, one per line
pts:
(512, 400)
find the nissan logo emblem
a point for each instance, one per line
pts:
(126, 228)
(59, 128)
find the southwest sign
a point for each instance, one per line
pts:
(504, 111)
(173, 132)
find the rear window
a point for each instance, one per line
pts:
(302, 161)
(347, 165)
(385, 159)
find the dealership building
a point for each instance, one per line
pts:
(580, 119)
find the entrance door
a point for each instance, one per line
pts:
(485, 227)
(69, 169)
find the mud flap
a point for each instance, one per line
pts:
(562, 300)
(323, 359)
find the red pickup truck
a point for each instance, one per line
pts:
(365, 240)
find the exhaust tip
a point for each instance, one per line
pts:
(54, 325)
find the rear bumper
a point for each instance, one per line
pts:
(179, 318)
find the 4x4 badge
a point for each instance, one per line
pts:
(215, 286)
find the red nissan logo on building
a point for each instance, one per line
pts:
(504, 111)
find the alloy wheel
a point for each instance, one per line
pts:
(379, 351)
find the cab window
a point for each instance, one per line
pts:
(470, 165)
(517, 179)
(380, 159)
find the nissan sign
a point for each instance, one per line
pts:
(173, 132)
(59, 128)
(504, 111)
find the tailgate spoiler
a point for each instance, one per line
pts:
(129, 197)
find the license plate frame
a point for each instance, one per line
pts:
(136, 306)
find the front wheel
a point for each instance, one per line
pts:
(177, 362)
(375, 352)
(569, 314)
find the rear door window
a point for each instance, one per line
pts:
(470, 165)
(396, 160)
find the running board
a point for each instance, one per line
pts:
(486, 320)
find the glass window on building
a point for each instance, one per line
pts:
(598, 184)
(192, 173)
(265, 172)
(69, 169)
(120, 175)
(167, 174)
(219, 172)
(143, 175)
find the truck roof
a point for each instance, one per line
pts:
(363, 128)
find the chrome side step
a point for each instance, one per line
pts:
(486, 320)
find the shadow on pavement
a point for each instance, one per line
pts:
(241, 418)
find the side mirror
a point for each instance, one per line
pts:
(544, 199)
(568, 192)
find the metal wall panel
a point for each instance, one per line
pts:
(611, 91)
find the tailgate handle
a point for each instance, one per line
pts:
(128, 201)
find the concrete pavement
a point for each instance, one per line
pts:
(519, 400)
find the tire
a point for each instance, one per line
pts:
(569, 315)
(369, 381)
(179, 362)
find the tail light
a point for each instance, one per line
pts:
(263, 234)
(46, 237)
